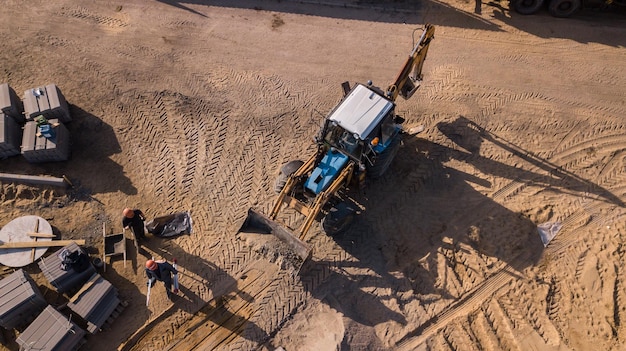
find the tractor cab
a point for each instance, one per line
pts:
(359, 128)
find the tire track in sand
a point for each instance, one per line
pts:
(539, 321)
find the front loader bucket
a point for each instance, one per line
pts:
(291, 248)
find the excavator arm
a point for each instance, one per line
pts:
(410, 75)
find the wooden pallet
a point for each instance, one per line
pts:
(116, 313)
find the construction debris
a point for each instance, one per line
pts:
(548, 230)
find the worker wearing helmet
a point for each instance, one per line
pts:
(134, 219)
(162, 271)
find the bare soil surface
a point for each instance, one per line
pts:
(194, 106)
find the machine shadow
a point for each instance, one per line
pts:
(405, 12)
(430, 233)
(441, 13)
(543, 25)
(210, 276)
(469, 136)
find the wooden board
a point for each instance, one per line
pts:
(29, 244)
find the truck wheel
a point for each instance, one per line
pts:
(383, 160)
(527, 7)
(563, 8)
(338, 219)
(286, 170)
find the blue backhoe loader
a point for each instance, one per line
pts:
(359, 139)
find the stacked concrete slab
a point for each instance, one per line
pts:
(20, 300)
(65, 281)
(10, 136)
(38, 148)
(10, 104)
(10, 118)
(95, 302)
(47, 101)
(51, 331)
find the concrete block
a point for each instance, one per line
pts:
(51, 331)
(47, 101)
(41, 149)
(10, 136)
(10, 104)
(20, 300)
(95, 302)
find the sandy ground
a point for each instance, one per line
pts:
(194, 106)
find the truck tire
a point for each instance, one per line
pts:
(563, 8)
(527, 7)
(338, 219)
(383, 160)
(286, 170)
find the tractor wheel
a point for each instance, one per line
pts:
(527, 7)
(563, 8)
(286, 170)
(383, 160)
(338, 219)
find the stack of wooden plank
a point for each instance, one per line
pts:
(20, 300)
(51, 331)
(95, 302)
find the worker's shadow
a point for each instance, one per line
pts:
(214, 290)
(149, 314)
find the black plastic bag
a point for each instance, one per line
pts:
(170, 225)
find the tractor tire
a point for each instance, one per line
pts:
(338, 219)
(564, 8)
(286, 170)
(527, 7)
(383, 160)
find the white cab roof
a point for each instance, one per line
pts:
(361, 111)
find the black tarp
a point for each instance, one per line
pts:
(170, 225)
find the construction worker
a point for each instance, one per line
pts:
(134, 219)
(162, 271)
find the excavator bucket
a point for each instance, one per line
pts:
(257, 226)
